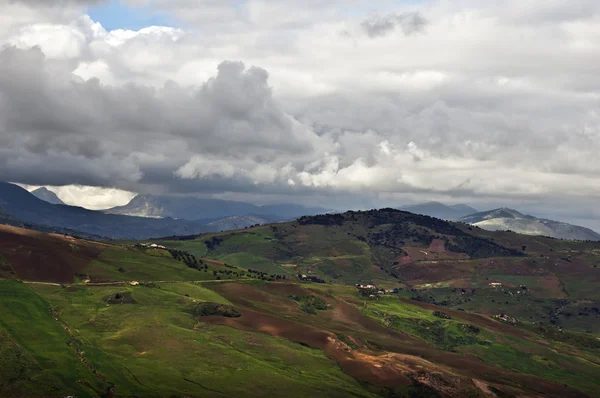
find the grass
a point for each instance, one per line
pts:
(252, 261)
(27, 321)
(129, 264)
(507, 351)
(151, 345)
(529, 358)
(167, 352)
(21, 374)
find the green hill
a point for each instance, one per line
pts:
(228, 315)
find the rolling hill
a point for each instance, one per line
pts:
(509, 219)
(440, 210)
(450, 264)
(149, 321)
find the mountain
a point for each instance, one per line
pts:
(239, 222)
(47, 195)
(509, 219)
(456, 312)
(25, 207)
(188, 208)
(440, 210)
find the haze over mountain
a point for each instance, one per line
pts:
(440, 210)
(509, 219)
(25, 207)
(188, 208)
(145, 217)
(47, 195)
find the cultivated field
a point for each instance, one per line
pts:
(226, 314)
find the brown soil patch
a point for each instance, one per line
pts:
(342, 262)
(213, 262)
(37, 256)
(392, 358)
(418, 258)
(434, 271)
(484, 388)
(551, 287)
(362, 367)
(289, 265)
(437, 245)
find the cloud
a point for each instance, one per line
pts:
(57, 128)
(481, 107)
(94, 198)
(55, 3)
(379, 26)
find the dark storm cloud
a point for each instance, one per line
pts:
(58, 129)
(498, 102)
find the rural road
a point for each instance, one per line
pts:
(133, 283)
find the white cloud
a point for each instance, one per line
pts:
(93, 198)
(466, 100)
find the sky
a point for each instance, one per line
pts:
(342, 104)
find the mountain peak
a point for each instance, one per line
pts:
(505, 218)
(47, 195)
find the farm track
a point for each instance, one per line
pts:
(131, 283)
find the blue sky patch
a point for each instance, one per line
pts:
(116, 15)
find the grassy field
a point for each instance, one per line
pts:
(518, 352)
(153, 346)
(167, 352)
(37, 349)
(79, 326)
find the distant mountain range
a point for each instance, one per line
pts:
(240, 222)
(23, 206)
(509, 219)
(159, 216)
(147, 216)
(47, 195)
(198, 209)
(440, 210)
(504, 219)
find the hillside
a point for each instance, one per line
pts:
(508, 219)
(25, 207)
(239, 222)
(440, 262)
(47, 195)
(440, 210)
(189, 208)
(154, 322)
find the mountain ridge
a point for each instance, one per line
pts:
(509, 219)
(47, 195)
(26, 207)
(190, 208)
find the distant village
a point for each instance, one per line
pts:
(152, 246)
(373, 291)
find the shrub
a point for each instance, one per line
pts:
(207, 309)
(441, 315)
